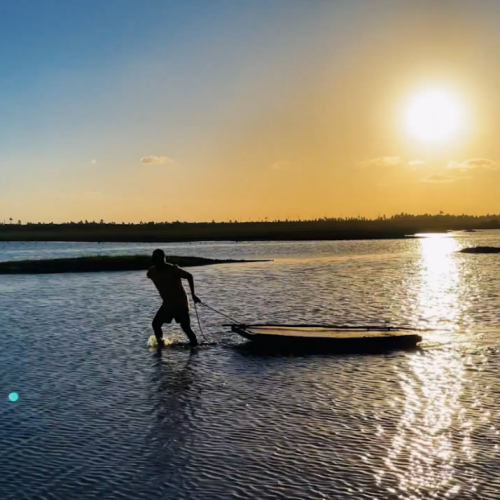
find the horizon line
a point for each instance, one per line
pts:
(265, 220)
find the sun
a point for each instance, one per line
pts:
(435, 116)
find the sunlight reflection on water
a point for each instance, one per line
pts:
(422, 455)
(439, 282)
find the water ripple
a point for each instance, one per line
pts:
(101, 415)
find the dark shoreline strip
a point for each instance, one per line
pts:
(104, 263)
(478, 250)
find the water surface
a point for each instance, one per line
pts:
(100, 415)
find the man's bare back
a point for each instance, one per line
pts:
(167, 279)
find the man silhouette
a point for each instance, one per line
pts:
(167, 279)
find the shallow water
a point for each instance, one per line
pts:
(101, 415)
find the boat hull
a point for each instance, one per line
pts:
(358, 341)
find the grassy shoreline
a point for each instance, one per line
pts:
(104, 263)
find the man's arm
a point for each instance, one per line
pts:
(189, 277)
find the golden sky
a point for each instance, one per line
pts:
(243, 111)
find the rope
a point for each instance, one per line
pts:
(199, 324)
(222, 314)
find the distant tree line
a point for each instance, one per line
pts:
(401, 218)
(325, 228)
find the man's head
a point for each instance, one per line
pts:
(158, 257)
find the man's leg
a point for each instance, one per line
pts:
(158, 321)
(186, 328)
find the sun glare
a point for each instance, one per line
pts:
(435, 116)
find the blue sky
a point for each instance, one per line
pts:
(225, 88)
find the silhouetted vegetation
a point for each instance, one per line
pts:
(101, 263)
(480, 250)
(397, 226)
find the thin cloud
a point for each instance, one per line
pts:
(438, 178)
(474, 163)
(416, 163)
(280, 164)
(383, 161)
(156, 160)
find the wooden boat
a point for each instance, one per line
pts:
(323, 338)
